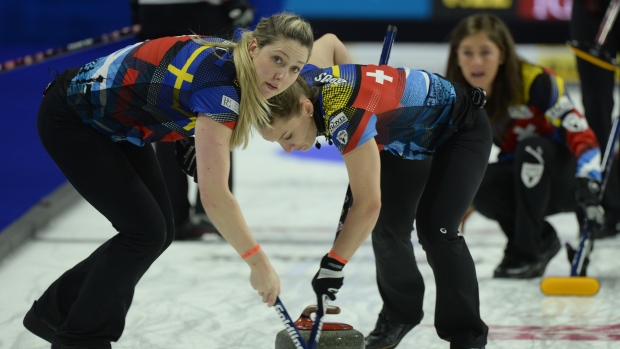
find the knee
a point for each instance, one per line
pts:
(158, 237)
(432, 234)
(532, 150)
(530, 159)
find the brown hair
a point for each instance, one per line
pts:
(507, 86)
(285, 105)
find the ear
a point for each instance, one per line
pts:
(306, 106)
(253, 48)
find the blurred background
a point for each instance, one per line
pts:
(29, 28)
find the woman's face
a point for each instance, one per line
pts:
(479, 59)
(296, 133)
(277, 65)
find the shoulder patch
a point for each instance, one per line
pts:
(343, 137)
(574, 123)
(563, 106)
(337, 121)
(230, 103)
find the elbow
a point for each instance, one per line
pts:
(372, 209)
(207, 202)
(209, 197)
(330, 37)
(375, 209)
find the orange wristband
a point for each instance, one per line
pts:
(335, 256)
(250, 252)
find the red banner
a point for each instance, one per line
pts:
(544, 10)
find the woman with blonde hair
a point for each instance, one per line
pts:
(95, 121)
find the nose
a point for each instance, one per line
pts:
(280, 75)
(287, 148)
(477, 59)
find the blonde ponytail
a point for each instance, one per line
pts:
(253, 107)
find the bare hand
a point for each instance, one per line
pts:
(265, 280)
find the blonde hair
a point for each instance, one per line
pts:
(254, 110)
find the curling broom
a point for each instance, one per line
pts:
(315, 333)
(595, 54)
(578, 284)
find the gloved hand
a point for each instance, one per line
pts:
(240, 12)
(186, 156)
(587, 195)
(328, 279)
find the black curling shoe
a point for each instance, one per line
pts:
(387, 334)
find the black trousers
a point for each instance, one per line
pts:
(182, 19)
(89, 302)
(436, 192)
(519, 195)
(597, 88)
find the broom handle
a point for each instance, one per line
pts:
(608, 22)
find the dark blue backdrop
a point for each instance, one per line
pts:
(27, 174)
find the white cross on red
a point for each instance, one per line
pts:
(380, 77)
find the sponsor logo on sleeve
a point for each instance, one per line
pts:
(337, 121)
(230, 103)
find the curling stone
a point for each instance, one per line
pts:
(335, 335)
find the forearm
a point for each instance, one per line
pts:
(224, 212)
(359, 224)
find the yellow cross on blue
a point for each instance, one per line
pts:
(184, 76)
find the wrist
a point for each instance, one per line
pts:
(337, 257)
(257, 258)
(249, 253)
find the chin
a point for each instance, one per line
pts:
(268, 93)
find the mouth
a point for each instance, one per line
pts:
(271, 87)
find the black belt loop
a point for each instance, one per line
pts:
(479, 97)
(54, 73)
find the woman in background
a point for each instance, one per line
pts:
(549, 160)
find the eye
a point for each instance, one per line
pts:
(288, 137)
(295, 70)
(277, 59)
